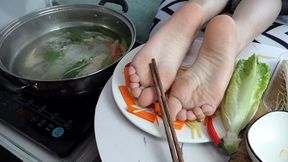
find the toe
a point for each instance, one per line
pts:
(182, 115)
(134, 78)
(174, 106)
(147, 97)
(190, 115)
(136, 92)
(198, 113)
(134, 82)
(134, 85)
(131, 70)
(208, 109)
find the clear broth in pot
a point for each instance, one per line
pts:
(69, 53)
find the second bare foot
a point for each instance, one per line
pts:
(168, 47)
(198, 91)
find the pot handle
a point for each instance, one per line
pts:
(10, 86)
(122, 3)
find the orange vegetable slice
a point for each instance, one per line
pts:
(126, 76)
(116, 51)
(126, 95)
(142, 113)
(156, 107)
(178, 125)
(205, 121)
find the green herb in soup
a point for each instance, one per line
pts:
(52, 55)
(69, 53)
(75, 69)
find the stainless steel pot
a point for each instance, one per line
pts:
(18, 34)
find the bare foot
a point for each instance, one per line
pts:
(168, 47)
(198, 91)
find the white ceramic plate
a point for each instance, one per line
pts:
(184, 135)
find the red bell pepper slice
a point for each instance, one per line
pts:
(212, 132)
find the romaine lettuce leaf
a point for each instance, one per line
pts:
(242, 97)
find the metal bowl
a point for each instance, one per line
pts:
(18, 34)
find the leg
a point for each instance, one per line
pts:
(169, 46)
(253, 17)
(198, 92)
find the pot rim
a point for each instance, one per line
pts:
(15, 24)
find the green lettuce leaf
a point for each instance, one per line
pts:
(242, 98)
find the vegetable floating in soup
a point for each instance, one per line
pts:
(69, 53)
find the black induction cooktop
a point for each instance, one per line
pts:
(57, 124)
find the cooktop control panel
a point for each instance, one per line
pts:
(58, 124)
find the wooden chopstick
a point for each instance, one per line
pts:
(175, 150)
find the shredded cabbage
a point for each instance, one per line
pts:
(242, 97)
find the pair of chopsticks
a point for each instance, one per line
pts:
(175, 150)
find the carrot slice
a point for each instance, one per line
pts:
(126, 76)
(178, 124)
(116, 51)
(142, 114)
(156, 111)
(205, 121)
(156, 107)
(126, 95)
(151, 117)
